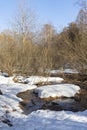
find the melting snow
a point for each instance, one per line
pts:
(47, 120)
(40, 119)
(68, 71)
(38, 79)
(59, 90)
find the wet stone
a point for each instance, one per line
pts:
(0, 92)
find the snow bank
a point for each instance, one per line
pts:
(14, 88)
(6, 80)
(71, 71)
(66, 90)
(68, 71)
(8, 100)
(4, 74)
(39, 79)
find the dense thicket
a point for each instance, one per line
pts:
(23, 50)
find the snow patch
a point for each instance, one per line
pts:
(67, 71)
(39, 79)
(59, 90)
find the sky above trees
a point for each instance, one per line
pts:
(57, 12)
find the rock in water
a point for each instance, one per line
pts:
(0, 92)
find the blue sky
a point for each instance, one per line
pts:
(58, 12)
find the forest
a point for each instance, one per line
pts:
(27, 50)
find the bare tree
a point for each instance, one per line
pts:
(81, 19)
(47, 33)
(24, 23)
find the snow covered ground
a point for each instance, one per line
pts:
(8, 100)
(37, 120)
(47, 120)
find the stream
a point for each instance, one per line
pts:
(32, 102)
